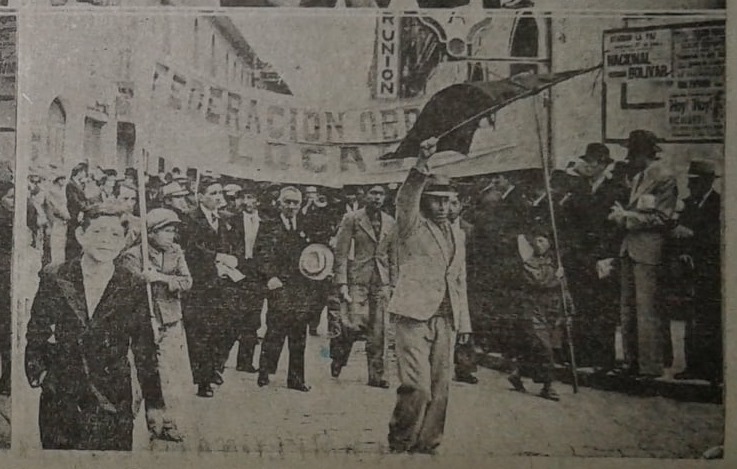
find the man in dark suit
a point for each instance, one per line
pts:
(246, 229)
(645, 219)
(319, 219)
(699, 236)
(76, 202)
(205, 241)
(86, 313)
(591, 245)
(290, 296)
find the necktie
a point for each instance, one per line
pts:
(448, 235)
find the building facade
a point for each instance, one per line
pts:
(103, 104)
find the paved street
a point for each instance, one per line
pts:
(345, 415)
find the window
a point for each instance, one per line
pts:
(126, 144)
(525, 43)
(55, 133)
(92, 147)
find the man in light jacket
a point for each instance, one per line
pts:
(431, 306)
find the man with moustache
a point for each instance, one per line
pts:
(365, 283)
(290, 295)
(431, 306)
(205, 310)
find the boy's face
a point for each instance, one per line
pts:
(542, 245)
(128, 198)
(164, 237)
(103, 239)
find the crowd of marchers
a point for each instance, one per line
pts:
(600, 245)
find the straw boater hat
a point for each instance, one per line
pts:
(316, 262)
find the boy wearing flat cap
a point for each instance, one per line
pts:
(169, 276)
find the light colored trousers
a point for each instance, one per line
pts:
(642, 335)
(175, 375)
(424, 352)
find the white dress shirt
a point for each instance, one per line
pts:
(289, 223)
(250, 229)
(212, 217)
(95, 282)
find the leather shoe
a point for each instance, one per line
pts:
(467, 378)
(686, 374)
(217, 379)
(335, 369)
(247, 369)
(299, 387)
(382, 383)
(517, 383)
(205, 390)
(263, 379)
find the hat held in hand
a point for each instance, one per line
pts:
(316, 262)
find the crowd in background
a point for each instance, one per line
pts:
(635, 255)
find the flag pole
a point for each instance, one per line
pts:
(568, 306)
(145, 262)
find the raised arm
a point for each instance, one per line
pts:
(409, 195)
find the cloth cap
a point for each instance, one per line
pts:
(158, 218)
(440, 186)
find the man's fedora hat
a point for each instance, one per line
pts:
(316, 262)
(439, 186)
(700, 169)
(642, 139)
(173, 189)
(596, 153)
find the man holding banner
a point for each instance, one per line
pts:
(431, 305)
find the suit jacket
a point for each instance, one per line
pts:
(201, 244)
(370, 253)
(86, 360)
(425, 276)
(279, 250)
(251, 268)
(171, 263)
(704, 219)
(653, 198)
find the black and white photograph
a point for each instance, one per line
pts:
(457, 233)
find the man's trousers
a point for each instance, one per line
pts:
(424, 358)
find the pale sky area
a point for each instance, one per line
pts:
(324, 60)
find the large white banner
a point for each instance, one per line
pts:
(668, 79)
(262, 135)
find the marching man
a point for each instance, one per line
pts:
(365, 283)
(431, 306)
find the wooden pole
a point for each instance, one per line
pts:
(567, 306)
(145, 262)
